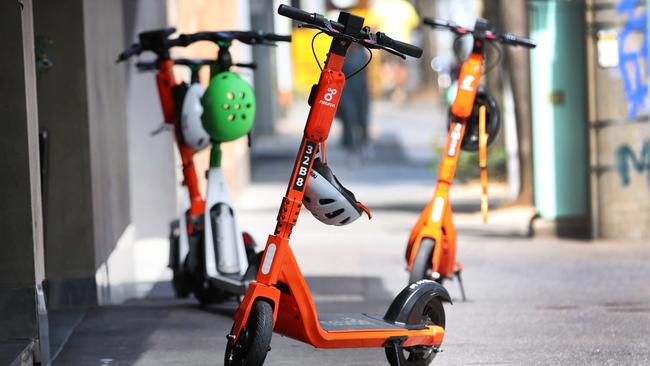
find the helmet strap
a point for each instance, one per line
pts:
(364, 209)
(323, 156)
(482, 146)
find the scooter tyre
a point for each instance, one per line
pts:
(422, 262)
(434, 313)
(254, 340)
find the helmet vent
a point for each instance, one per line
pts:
(226, 106)
(230, 95)
(243, 116)
(237, 105)
(248, 105)
(345, 221)
(325, 201)
(241, 95)
(332, 215)
(231, 117)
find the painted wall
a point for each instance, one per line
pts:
(620, 130)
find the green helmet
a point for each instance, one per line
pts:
(228, 107)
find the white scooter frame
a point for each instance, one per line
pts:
(219, 268)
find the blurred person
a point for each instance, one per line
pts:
(355, 101)
(398, 19)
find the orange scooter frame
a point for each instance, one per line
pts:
(280, 282)
(435, 226)
(279, 279)
(436, 220)
(166, 82)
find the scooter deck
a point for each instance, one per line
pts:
(356, 321)
(234, 284)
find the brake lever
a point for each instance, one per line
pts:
(163, 127)
(251, 65)
(375, 45)
(390, 50)
(332, 33)
(268, 43)
(328, 25)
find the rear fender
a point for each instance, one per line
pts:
(409, 305)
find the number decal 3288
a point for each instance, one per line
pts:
(305, 162)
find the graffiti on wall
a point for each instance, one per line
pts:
(631, 59)
(627, 159)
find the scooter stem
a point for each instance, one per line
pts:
(482, 143)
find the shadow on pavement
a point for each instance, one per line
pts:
(163, 330)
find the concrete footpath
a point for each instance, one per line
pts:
(531, 301)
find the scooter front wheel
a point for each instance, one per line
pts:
(254, 339)
(433, 313)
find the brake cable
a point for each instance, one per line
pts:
(313, 50)
(488, 67)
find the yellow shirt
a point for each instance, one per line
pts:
(396, 18)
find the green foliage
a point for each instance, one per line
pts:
(468, 163)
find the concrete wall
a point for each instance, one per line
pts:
(620, 131)
(103, 37)
(152, 169)
(82, 102)
(69, 235)
(22, 312)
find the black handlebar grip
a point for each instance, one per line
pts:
(518, 41)
(526, 42)
(146, 65)
(127, 53)
(401, 47)
(278, 38)
(437, 23)
(296, 14)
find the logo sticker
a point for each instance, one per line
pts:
(455, 137)
(327, 98)
(467, 83)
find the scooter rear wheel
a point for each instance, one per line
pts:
(422, 262)
(254, 340)
(433, 313)
(181, 281)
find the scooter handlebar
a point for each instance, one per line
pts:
(297, 14)
(134, 49)
(399, 46)
(330, 27)
(277, 38)
(515, 40)
(491, 35)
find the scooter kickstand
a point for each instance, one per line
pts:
(393, 344)
(459, 277)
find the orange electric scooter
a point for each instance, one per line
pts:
(474, 122)
(412, 329)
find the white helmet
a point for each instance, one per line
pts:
(327, 199)
(191, 125)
